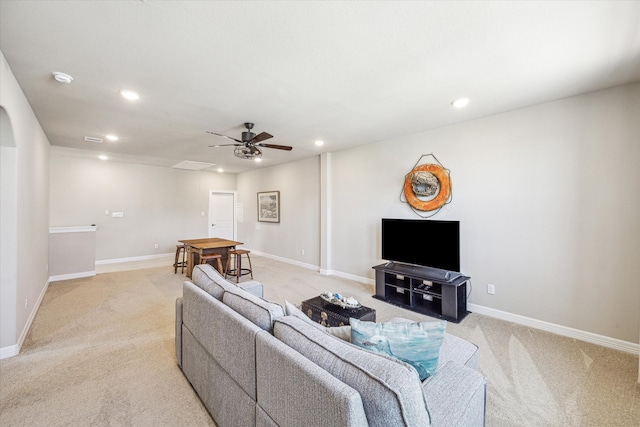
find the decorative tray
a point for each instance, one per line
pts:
(342, 301)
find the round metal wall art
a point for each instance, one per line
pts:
(427, 187)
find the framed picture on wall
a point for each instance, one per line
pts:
(269, 206)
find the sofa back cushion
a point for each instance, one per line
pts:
(209, 280)
(259, 311)
(391, 391)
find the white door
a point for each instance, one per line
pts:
(222, 215)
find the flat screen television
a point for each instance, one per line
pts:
(426, 243)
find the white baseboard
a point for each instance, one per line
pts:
(348, 276)
(135, 258)
(614, 343)
(14, 350)
(9, 351)
(287, 260)
(72, 276)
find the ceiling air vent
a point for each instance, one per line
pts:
(92, 139)
(193, 166)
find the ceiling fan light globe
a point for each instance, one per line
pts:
(247, 152)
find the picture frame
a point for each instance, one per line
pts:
(269, 206)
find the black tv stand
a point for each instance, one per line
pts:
(430, 291)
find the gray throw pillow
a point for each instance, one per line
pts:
(417, 344)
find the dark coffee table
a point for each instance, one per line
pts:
(328, 314)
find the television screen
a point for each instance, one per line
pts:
(422, 242)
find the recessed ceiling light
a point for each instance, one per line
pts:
(220, 170)
(62, 77)
(258, 159)
(111, 137)
(460, 103)
(319, 143)
(103, 157)
(130, 95)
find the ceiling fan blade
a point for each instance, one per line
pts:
(261, 137)
(225, 145)
(224, 136)
(277, 147)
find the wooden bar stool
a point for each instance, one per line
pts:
(182, 264)
(238, 270)
(205, 258)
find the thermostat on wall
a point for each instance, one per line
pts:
(117, 214)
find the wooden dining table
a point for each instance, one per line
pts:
(211, 245)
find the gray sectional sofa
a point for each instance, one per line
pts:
(252, 365)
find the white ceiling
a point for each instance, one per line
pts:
(349, 73)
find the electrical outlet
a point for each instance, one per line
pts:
(26, 302)
(301, 251)
(157, 246)
(491, 289)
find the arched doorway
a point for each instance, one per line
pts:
(8, 237)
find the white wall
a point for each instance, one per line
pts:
(548, 198)
(25, 212)
(298, 230)
(160, 205)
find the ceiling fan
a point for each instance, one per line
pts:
(249, 146)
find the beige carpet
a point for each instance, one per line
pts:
(100, 353)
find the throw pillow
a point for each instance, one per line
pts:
(342, 332)
(417, 344)
(292, 310)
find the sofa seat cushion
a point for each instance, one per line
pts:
(456, 395)
(458, 350)
(391, 391)
(259, 311)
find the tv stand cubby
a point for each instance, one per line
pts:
(424, 290)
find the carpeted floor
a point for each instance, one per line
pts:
(101, 353)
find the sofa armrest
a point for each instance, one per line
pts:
(253, 287)
(179, 331)
(456, 396)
